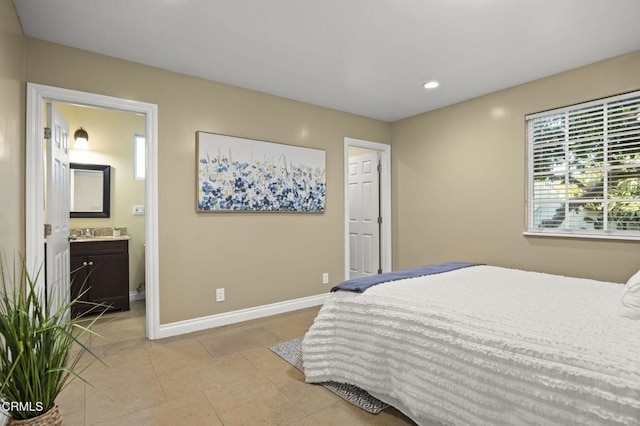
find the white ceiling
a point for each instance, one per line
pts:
(368, 57)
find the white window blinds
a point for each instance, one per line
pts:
(584, 169)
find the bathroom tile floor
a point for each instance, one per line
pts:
(223, 376)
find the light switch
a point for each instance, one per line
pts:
(138, 210)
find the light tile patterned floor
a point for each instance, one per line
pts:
(224, 376)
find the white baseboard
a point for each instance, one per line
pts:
(136, 295)
(211, 321)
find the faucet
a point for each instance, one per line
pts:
(88, 233)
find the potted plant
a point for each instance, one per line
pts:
(117, 231)
(40, 350)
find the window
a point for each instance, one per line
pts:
(139, 163)
(584, 169)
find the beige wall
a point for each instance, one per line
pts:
(111, 135)
(257, 258)
(12, 131)
(354, 150)
(459, 180)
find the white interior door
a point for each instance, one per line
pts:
(57, 210)
(364, 211)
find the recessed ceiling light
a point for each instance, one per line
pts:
(431, 84)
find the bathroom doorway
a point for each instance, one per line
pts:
(37, 97)
(112, 140)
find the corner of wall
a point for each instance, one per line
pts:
(12, 129)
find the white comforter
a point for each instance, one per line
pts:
(484, 345)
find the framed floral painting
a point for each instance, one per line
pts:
(246, 175)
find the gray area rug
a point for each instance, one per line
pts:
(291, 351)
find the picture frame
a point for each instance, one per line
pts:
(235, 174)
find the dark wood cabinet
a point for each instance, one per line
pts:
(100, 274)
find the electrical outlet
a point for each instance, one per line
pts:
(325, 278)
(220, 295)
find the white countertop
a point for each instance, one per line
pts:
(99, 238)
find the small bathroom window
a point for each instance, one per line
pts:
(139, 164)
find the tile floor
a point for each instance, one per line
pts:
(224, 376)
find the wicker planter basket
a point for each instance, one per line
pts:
(52, 417)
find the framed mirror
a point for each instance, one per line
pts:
(90, 190)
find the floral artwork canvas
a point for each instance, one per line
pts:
(237, 174)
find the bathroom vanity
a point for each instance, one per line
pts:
(100, 265)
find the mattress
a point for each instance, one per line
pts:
(484, 345)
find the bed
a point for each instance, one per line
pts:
(486, 345)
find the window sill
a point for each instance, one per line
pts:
(583, 236)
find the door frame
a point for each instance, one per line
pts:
(37, 96)
(385, 200)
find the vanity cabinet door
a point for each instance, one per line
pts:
(110, 280)
(100, 269)
(79, 284)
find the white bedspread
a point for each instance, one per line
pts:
(484, 345)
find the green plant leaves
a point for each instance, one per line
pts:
(36, 356)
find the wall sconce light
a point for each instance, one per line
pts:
(81, 138)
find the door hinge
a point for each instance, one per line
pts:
(47, 132)
(379, 221)
(47, 230)
(379, 167)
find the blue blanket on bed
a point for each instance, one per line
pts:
(361, 284)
